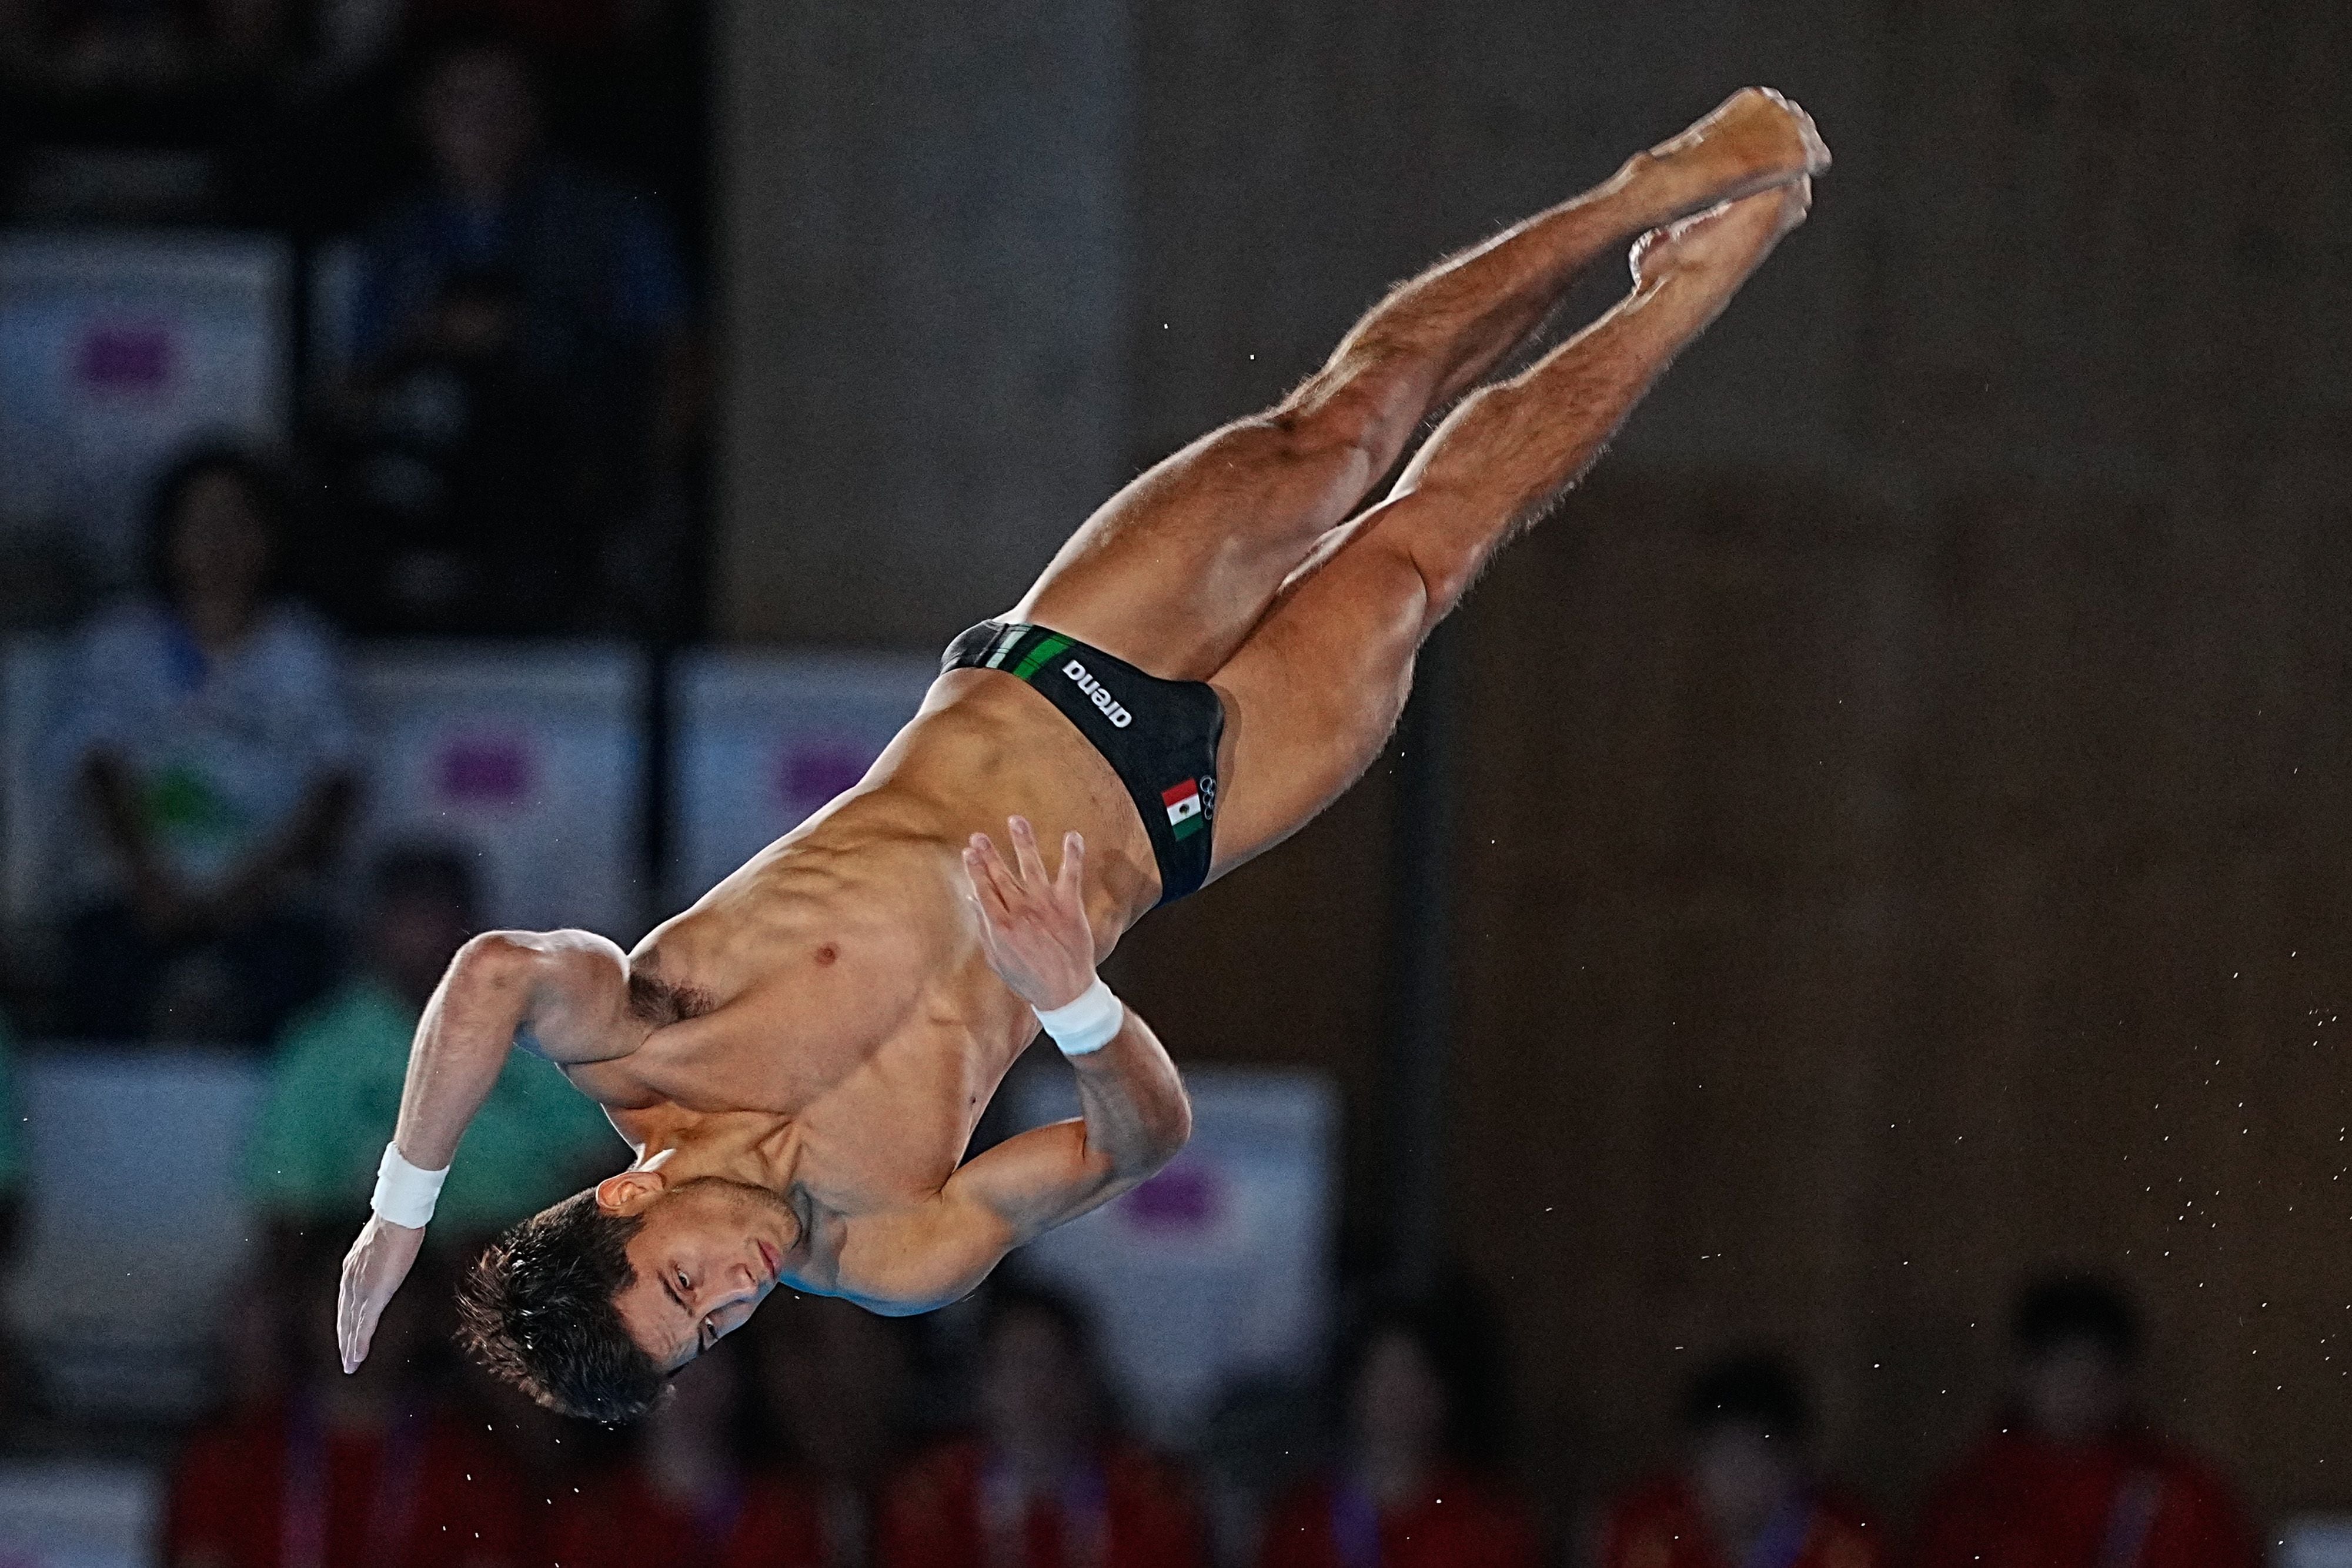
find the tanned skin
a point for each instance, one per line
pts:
(823, 1029)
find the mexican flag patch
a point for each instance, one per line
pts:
(1183, 803)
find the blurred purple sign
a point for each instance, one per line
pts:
(486, 770)
(526, 759)
(766, 739)
(121, 359)
(117, 351)
(811, 772)
(1188, 1195)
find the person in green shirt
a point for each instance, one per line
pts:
(335, 1080)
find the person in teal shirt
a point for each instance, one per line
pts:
(335, 1081)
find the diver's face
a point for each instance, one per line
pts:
(708, 1254)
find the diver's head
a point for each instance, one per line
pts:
(589, 1305)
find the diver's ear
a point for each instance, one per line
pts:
(630, 1192)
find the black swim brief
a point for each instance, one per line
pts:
(1160, 737)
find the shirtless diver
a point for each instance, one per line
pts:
(799, 1058)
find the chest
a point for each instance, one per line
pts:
(814, 1016)
(882, 1075)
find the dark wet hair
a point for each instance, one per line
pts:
(439, 873)
(2067, 1310)
(264, 491)
(1757, 1388)
(538, 1310)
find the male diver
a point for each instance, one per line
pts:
(799, 1058)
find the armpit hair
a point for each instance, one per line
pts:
(658, 1002)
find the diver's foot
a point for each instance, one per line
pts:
(1753, 141)
(1725, 243)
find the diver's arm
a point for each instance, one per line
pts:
(1137, 1120)
(564, 993)
(1039, 941)
(1034, 930)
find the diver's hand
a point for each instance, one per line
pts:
(1033, 927)
(373, 1269)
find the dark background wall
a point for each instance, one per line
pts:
(1904, 829)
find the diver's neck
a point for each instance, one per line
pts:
(751, 1147)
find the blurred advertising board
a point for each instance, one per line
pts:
(136, 1231)
(71, 1513)
(2316, 1541)
(1217, 1270)
(530, 757)
(764, 739)
(117, 350)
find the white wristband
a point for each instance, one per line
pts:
(1087, 1024)
(404, 1194)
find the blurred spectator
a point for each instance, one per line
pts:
(142, 47)
(373, 1468)
(832, 1383)
(335, 1082)
(1744, 1493)
(1046, 1482)
(686, 1493)
(523, 374)
(2072, 1476)
(1412, 1488)
(625, 78)
(122, 110)
(209, 727)
(12, 1146)
(550, 27)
